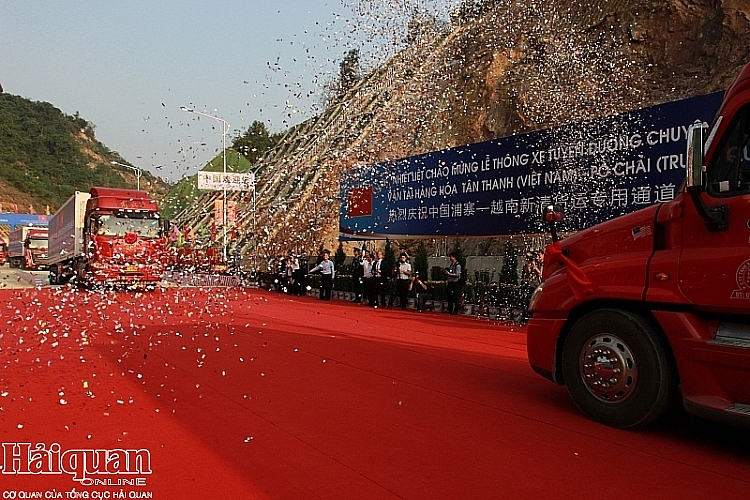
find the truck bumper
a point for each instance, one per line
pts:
(541, 346)
(120, 276)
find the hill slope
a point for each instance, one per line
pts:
(46, 155)
(512, 67)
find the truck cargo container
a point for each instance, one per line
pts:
(111, 237)
(27, 248)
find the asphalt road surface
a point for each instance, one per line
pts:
(18, 278)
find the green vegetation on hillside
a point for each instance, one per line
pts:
(255, 141)
(49, 155)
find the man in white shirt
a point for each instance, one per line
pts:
(453, 276)
(327, 273)
(368, 279)
(403, 277)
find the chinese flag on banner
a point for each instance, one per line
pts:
(231, 211)
(359, 202)
(219, 212)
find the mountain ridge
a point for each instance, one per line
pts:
(46, 155)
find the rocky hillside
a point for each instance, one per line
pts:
(45, 156)
(509, 68)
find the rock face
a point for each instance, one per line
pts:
(514, 68)
(524, 66)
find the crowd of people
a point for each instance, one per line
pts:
(289, 273)
(376, 286)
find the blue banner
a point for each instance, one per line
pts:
(14, 220)
(595, 170)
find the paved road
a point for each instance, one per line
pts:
(248, 394)
(17, 278)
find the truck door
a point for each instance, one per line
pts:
(715, 265)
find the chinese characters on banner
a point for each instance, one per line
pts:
(595, 170)
(220, 181)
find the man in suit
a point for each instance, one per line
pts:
(357, 273)
(379, 279)
(453, 276)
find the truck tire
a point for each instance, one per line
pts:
(619, 369)
(81, 280)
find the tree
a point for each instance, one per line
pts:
(349, 75)
(509, 272)
(421, 263)
(421, 25)
(349, 71)
(339, 257)
(254, 142)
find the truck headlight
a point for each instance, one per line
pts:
(535, 297)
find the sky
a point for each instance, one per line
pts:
(128, 66)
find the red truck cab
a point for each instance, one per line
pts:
(3, 253)
(123, 235)
(653, 306)
(35, 255)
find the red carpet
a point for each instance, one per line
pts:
(257, 395)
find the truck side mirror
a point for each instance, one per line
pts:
(553, 214)
(694, 167)
(716, 217)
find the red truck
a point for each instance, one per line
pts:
(3, 252)
(27, 248)
(111, 237)
(654, 306)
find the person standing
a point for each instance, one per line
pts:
(357, 271)
(421, 291)
(379, 280)
(327, 273)
(453, 276)
(403, 278)
(292, 268)
(368, 280)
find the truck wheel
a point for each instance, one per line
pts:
(618, 368)
(81, 275)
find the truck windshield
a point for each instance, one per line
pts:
(35, 243)
(110, 225)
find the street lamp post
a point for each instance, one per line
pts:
(224, 130)
(137, 171)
